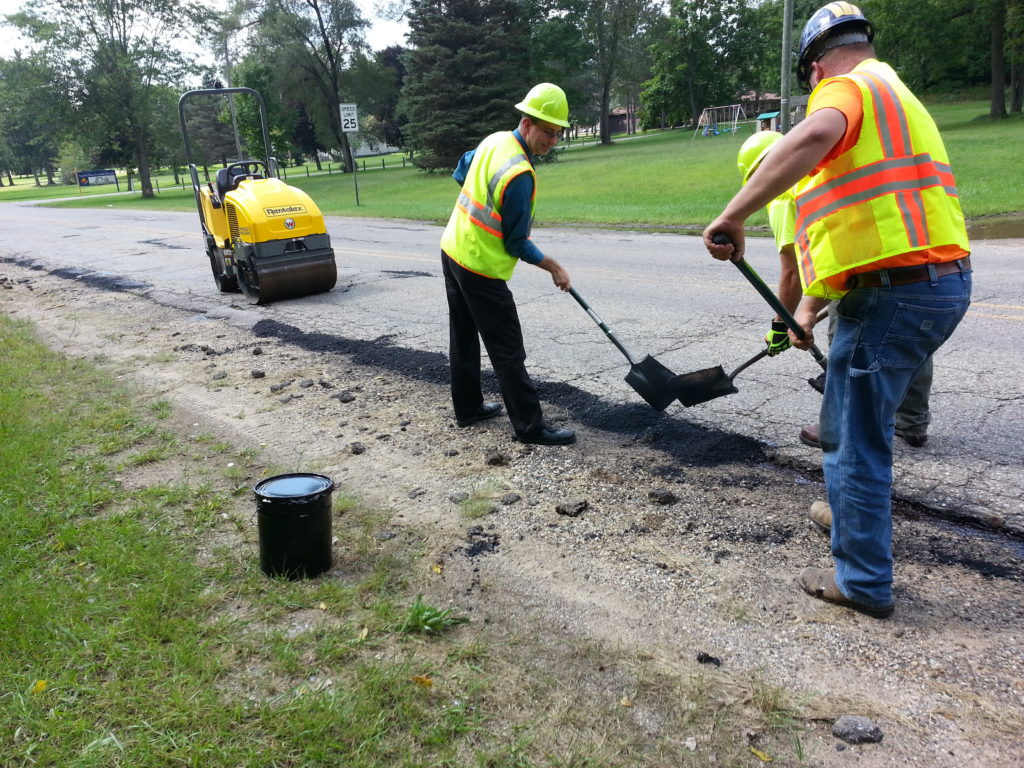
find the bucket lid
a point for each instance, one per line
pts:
(293, 486)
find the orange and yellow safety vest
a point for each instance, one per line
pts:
(473, 237)
(892, 193)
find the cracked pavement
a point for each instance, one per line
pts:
(661, 294)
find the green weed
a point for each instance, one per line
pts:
(426, 619)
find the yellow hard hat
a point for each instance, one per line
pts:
(546, 101)
(753, 151)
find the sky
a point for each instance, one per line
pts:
(380, 35)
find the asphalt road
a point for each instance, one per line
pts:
(661, 294)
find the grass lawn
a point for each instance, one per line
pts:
(136, 628)
(666, 179)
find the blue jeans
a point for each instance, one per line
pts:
(883, 337)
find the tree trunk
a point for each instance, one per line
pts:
(142, 162)
(49, 176)
(998, 103)
(1016, 86)
(1, 179)
(10, 179)
(606, 133)
(35, 175)
(316, 159)
(346, 152)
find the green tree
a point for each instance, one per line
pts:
(375, 88)
(386, 115)
(935, 45)
(468, 65)
(284, 112)
(118, 53)
(561, 52)
(997, 29)
(34, 114)
(1015, 52)
(165, 147)
(208, 121)
(608, 24)
(699, 62)
(312, 43)
(635, 64)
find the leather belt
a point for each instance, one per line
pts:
(917, 273)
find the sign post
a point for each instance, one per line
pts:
(350, 124)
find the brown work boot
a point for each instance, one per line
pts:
(809, 436)
(821, 583)
(821, 516)
(914, 440)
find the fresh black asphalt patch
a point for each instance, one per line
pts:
(686, 443)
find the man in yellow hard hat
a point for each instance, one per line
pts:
(782, 219)
(487, 235)
(880, 227)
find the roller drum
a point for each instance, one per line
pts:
(265, 278)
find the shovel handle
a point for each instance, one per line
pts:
(747, 364)
(601, 324)
(773, 301)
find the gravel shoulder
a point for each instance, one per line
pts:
(673, 552)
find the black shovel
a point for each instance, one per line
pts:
(709, 383)
(648, 377)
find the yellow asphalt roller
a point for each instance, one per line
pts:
(263, 237)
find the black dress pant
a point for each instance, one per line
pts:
(483, 308)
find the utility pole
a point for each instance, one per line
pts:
(787, 63)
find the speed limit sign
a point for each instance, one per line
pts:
(349, 119)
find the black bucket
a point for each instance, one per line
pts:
(293, 515)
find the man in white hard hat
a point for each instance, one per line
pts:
(879, 226)
(487, 235)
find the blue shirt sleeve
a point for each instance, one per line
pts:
(515, 220)
(462, 169)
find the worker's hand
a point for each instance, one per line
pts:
(732, 230)
(806, 317)
(559, 275)
(777, 338)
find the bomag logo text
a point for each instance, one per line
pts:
(284, 210)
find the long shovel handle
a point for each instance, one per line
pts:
(747, 364)
(768, 295)
(601, 324)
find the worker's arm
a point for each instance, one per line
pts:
(789, 293)
(515, 229)
(794, 157)
(790, 289)
(559, 275)
(462, 169)
(806, 316)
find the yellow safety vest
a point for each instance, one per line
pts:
(473, 236)
(892, 193)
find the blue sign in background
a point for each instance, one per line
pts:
(94, 178)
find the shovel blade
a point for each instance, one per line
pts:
(651, 380)
(701, 386)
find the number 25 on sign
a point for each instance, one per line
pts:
(350, 124)
(349, 119)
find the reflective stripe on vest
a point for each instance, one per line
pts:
(881, 198)
(473, 237)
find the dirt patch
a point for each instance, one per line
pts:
(689, 540)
